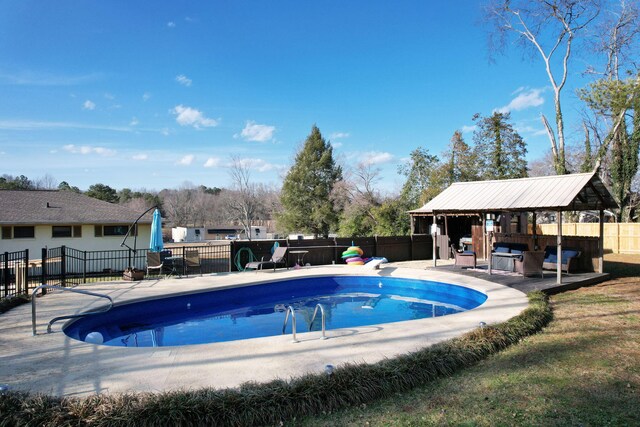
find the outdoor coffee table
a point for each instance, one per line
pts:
(504, 261)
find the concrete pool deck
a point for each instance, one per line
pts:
(58, 365)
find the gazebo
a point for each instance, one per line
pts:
(561, 193)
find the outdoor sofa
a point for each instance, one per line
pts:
(505, 255)
(569, 259)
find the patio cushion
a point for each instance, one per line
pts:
(516, 251)
(502, 249)
(568, 253)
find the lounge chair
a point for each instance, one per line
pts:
(464, 259)
(192, 260)
(531, 263)
(279, 257)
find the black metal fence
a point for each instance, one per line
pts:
(65, 266)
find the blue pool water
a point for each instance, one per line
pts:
(259, 310)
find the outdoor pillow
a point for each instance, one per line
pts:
(516, 251)
(502, 249)
(569, 253)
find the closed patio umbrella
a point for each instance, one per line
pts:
(155, 245)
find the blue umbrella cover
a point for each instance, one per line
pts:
(155, 245)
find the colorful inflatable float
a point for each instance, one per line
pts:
(353, 256)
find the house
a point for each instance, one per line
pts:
(35, 219)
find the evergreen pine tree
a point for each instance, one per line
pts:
(499, 149)
(306, 190)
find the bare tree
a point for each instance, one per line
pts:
(550, 27)
(46, 182)
(243, 202)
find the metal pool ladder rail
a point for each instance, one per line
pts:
(319, 306)
(293, 322)
(72, 316)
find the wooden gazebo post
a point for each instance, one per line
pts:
(559, 248)
(433, 237)
(601, 243)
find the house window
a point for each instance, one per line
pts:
(24, 232)
(115, 230)
(6, 233)
(98, 231)
(60, 231)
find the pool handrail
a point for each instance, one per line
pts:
(72, 316)
(291, 310)
(324, 336)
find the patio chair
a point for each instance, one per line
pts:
(192, 260)
(154, 263)
(466, 259)
(530, 264)
(279, 257)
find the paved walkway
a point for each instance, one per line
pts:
(58, 365)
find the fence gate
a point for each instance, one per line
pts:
(14, 273)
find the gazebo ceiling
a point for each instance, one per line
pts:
(575, 192)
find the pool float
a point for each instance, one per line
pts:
(356, 249)
(353, 256)
(349, 254)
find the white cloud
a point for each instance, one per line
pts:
(183, 80)
(146, 96)
(165, 132)
(140, 156)
(87, 149)
(523, 129)
(255, 132)
(109, 96)
(468, 129)
(134, 121)
(375, 157)
(336, 144)
(212, 162)
(525, 99)
(186, 160)
(89, 105)
(171, 24)
(260, 165)
(187, 116)
(337, 135)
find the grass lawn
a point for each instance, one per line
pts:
(583, 369)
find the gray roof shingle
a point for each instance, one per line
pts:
(62, 207)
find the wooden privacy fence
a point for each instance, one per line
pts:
(329, 251)
(619, 238)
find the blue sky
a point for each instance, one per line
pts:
(151, 95)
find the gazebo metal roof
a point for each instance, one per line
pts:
(575, 192)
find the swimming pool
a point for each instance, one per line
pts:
(258, 311)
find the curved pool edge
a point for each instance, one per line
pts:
(59, 365)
